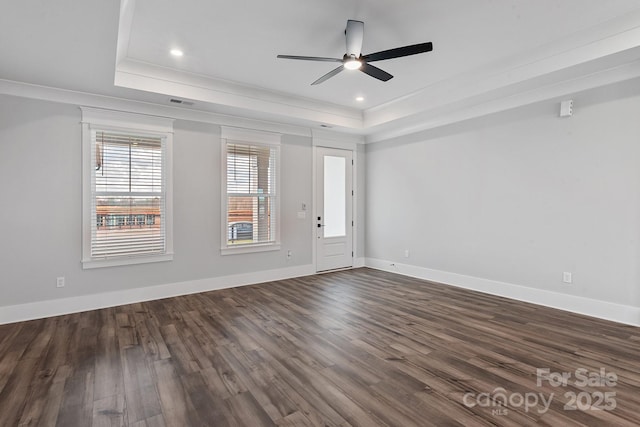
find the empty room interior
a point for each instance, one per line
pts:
(320, 213)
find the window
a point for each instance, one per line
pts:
(250, 191)
(126, 188)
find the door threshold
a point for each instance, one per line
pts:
(335, 269)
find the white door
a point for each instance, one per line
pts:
(334, 207)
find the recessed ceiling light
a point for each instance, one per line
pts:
(359, 98)
(176, 52)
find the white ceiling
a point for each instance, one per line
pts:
(488, 55)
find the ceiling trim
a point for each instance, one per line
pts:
(324, 138)
(64, 96)
(125, 21)
(595, 56)
(139, 75)
(151, 78)
(593, 44)
(497, 102)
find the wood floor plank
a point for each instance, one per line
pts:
(108, 380)
(350, 348)
(204, 407)
(173, 397)
(296, 419)
(109, 412)
(55, 395)
(248, 412)
(141, 398)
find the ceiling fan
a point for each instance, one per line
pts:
(354, 60)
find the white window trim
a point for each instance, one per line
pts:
(139, 124)
(247, 136)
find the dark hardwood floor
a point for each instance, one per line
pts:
(360, 347)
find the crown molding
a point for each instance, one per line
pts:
(64, 96)
(151, 78)
(507, 98)
(596, 56)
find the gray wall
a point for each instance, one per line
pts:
(40, 217)
(519, 197)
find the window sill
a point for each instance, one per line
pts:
(114, 262)
(245, 249)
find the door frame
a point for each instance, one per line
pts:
(354, 208)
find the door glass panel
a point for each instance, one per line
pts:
(334, 196)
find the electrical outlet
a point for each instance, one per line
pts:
(567, 277)
(60, 282)
(289, 253)
(406, 253)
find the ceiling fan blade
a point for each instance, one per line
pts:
(328, 75)
(310, 58)
(354, 35)
(375, 72)
(399, 52)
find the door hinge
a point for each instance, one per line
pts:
(351, 254)
(352, 223)
(352, 162)
(352, 192)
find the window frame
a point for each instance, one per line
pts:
(231, 135)
(96, 120)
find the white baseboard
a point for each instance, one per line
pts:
(57, 307)
(601, 309)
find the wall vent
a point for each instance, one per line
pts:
(179, 101)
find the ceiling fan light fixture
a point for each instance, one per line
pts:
(355, 60)
(352, 64)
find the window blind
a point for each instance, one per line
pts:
(251, 193)
(128, 195)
